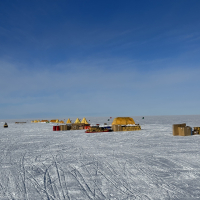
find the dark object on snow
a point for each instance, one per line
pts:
(142, 117)
(97, 129)
(5, 125)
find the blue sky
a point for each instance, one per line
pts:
(99, 58)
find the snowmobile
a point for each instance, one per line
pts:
(5, 125)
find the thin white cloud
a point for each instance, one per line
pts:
(90, 76)
(96, 89)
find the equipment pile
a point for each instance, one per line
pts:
(183, 130)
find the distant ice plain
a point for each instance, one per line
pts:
(38, 163)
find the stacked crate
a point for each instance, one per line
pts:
(75, 127)
(175, 128)
(117, 128)
(185, 131)
(131, 128)
(65, 127)
(126, 128)
(196, 130)
(181, 130)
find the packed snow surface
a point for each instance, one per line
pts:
(39, 163)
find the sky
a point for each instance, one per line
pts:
(82, 58)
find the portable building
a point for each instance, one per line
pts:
(175, 128)
(185, 131)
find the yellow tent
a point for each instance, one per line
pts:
(54, 121)
(61, 122)
(123, 121)
(77, 121)
(35, 121)
(84, 121)
(68, 121)
(44, 120)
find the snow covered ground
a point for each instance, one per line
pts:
(37, 163)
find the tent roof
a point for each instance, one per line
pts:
(77, 121)
(123, 121)
(84, 121)
(69, 121)
(54, 120)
